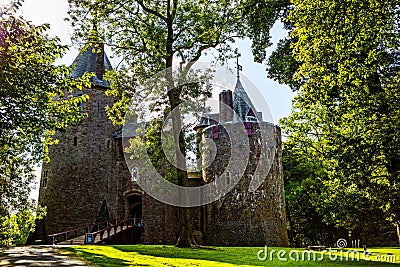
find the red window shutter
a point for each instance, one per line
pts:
(216, 132)
(249, 129)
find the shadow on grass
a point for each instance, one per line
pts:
(236, 256)
(102, 260)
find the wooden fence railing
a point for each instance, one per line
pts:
(74, 233)
(111, 230)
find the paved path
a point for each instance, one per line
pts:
(30, 256)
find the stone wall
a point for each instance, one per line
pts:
(82, 173)
(241, 217)
(159, 221)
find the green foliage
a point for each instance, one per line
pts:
(154, 144)
(282, 66)
(15, 228)
(343, 58)
(259, 16)
(34, 103)
(303, 175)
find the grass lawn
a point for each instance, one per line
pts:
(152, 255)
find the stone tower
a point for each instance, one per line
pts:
(243, 217)
(79, 185)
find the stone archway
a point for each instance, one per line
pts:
(133, 210)
(134, 207)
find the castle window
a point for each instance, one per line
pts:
(251, 119)
(135, 173)
(269, 154)
(44, 180)
(75, 141)
(79, 93)
(108, 180)
(120, 147)
(228, 178)
(108, 144)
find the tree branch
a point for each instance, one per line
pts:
(151, 11)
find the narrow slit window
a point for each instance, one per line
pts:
(75, 141)
(228, 178)
(44, 179)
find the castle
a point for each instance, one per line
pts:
(87, 179)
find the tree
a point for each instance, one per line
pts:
(33, 105)
(152, 35)
(322, 202)
(343, 58)
(303, 174)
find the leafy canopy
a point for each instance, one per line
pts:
(34, 103)
(343, 59)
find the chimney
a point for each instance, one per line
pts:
(100, 69)
(225, 106)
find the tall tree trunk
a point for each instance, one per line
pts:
(185, 238)
(185, 227)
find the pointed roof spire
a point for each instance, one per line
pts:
(92, 59)
(238, 67)
(241, 101)
(239, 86)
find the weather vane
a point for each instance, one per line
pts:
(238, 67)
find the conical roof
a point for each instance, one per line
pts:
(242, 104)
(87, 62)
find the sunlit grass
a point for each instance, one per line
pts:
(155, 255)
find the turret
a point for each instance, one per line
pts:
(79, 185)
(225, 106)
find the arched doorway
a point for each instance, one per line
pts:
(134, 211)
(134, 207)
